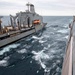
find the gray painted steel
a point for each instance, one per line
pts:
(19, 36)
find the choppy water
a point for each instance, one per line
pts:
(37, 54)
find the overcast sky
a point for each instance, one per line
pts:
(42, 7)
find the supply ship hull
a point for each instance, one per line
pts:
(16, 35)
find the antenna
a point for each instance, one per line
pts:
(28, 4)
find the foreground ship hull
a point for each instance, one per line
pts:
(68, 67)
(21, 34)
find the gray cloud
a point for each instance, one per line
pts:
(48, 6)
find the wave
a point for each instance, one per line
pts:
(41, 41)
(42, 58)
(4, 62)
(39, 56)
(37, 38)
(22, 51)
(63, 31)
(7, 49)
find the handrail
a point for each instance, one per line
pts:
(67, 65)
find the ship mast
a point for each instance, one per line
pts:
(28, 6)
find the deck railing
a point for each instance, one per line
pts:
(67, 65)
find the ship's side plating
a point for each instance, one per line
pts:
(68, 67)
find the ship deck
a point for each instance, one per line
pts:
(14, 32)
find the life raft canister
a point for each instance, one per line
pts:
(36, 22)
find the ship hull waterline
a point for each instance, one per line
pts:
(21, 35)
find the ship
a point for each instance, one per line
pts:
(68, 67)
(22, 25)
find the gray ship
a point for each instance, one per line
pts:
(22, 25)
(68, 67)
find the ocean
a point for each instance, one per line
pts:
(41, 53)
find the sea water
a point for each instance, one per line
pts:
(38, 54)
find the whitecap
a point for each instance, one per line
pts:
(66, 37)
(31, 61)
(7, 49)
(37, 38)
(45, 48)
(42, 64)
(52, 33)
(28, 39)
(54, 64)
(47, 70)
(49, 45)
(34, 41)
(4, 62)
(41, 41)
(6, 58)
(39, 56)
(53, 51)
(37, 71)
(22, 51)
(63, 31)
(58, 69)
(66, 26)
(58, 61)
